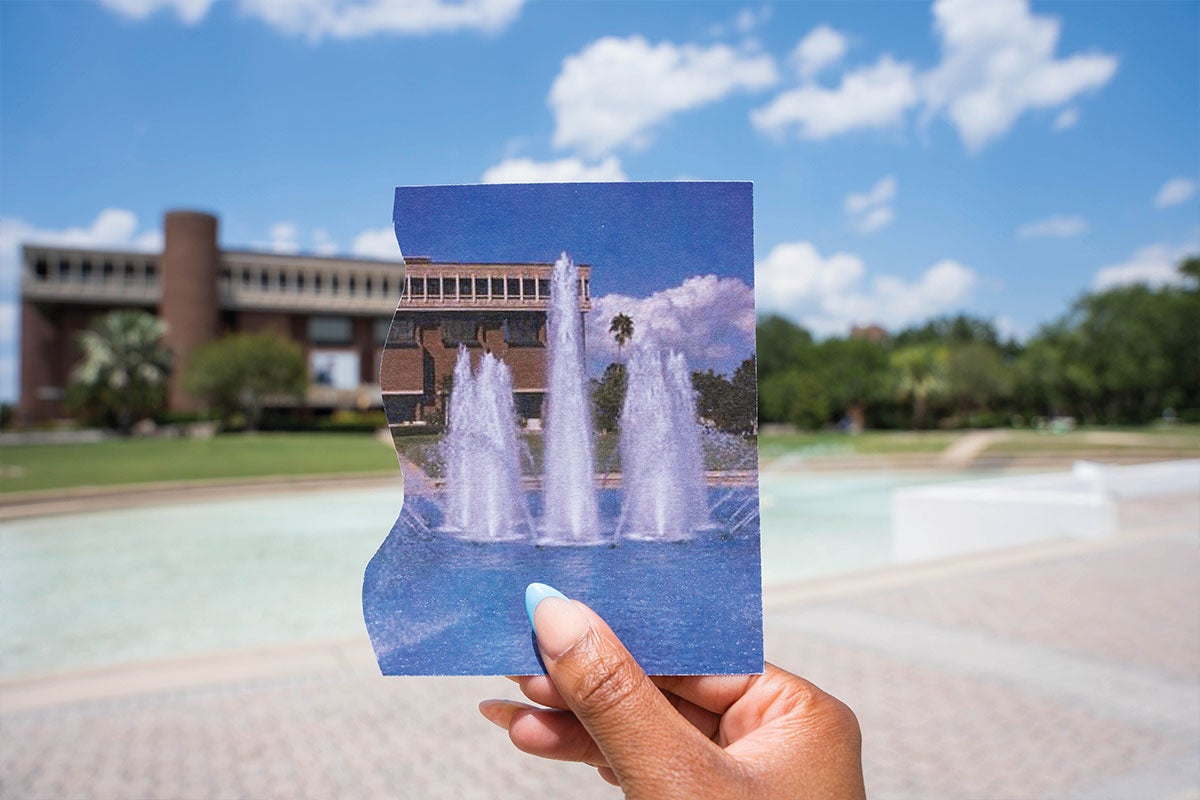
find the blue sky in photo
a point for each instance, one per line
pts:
(909, 159)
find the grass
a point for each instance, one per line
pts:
(821, 443)
(127, 461)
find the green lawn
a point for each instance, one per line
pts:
(865, 443)
(120, 461)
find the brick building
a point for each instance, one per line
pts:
(339, 310)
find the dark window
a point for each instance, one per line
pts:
(497, 287)
(398, 332)
(514, 287)
(41, 268)
(245, 277)
(64, 268)
(350, 284)
(300, 281)
(418, 287)
(367, 285)
(264, 280)
(317, 282)
(107, 269)
(481, 287)
(528, 287)
(459, 331)
(151, 272)
(522, 331)
(330, 330)
(543, 287)
(128, 271)
(333, 284)
(385, 286)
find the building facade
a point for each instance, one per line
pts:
(339, 310)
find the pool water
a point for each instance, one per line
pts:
(164, 581)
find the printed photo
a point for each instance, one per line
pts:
(569, 381)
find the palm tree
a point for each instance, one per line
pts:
(621, 328)
(124, 367)
(920, 374)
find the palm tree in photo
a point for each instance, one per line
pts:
(621, 328)
(124, 369)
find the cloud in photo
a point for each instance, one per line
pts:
(822, 47)
(709, 319)
(377, 243)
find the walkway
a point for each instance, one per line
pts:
(1069, 670)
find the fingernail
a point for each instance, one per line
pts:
(536, 593)
(498, 713)
(558, 623)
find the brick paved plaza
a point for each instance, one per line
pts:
(1069, 670)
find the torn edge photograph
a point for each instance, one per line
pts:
(569, 381)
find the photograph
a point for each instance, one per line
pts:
(569, 380)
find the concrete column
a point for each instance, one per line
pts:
(189, 269)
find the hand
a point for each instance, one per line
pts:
(739, 736)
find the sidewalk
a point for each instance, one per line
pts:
(1070, 670)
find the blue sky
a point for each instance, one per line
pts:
(909, 159)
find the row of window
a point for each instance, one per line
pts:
(284, 281)
(499, 288)
(86, 269)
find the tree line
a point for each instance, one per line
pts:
(1126, 355)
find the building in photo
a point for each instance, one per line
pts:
(340, 310)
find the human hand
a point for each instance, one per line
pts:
(765, 736)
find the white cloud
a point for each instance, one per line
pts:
(1062, 226)
(1154, 265)
(189, 11)
(615, 91)
(112, 228)
(874, 97)
(998, 61)
(564, 170)
(1067, 118)
(822, 47)
(707, 318)
(377, 243)
(872, 210)
(829, 294)
(1174, 192)
(282, 238)
(345, 19)
(323, 244)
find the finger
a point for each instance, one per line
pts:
(716, 693)
(701, 719)
(608, 775)
(541, 690)
(553, 734)
(643, 738)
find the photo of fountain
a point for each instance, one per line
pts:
(654, 524)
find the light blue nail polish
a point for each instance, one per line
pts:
(536, 593)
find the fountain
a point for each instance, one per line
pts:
(572, 514)
(661, 462)
(483, 472)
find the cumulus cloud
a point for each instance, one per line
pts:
(872, 210)
(1062, 226)
(282, 238)
(1155, 265)
(1174, 192)
(874, 97)
(112, 227)
(377, 243)
(189, 11)
(345, 19)
(998, 61)
(822, 47)
(564, 170)
(323, 244)
(616, 91)
(1067, 118)
(708, 318)
(830, 294)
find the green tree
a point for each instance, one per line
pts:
(123, 374)
(782, 345)
(919, 375)
(239, 374)
(854, 372)
(730, 404)
(608, 397)
(794, 397)
(977, 377)
(621, 327)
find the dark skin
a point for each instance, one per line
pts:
(765, 736)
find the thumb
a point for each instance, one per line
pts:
(645, 741)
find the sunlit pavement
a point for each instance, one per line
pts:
(1065, 670)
